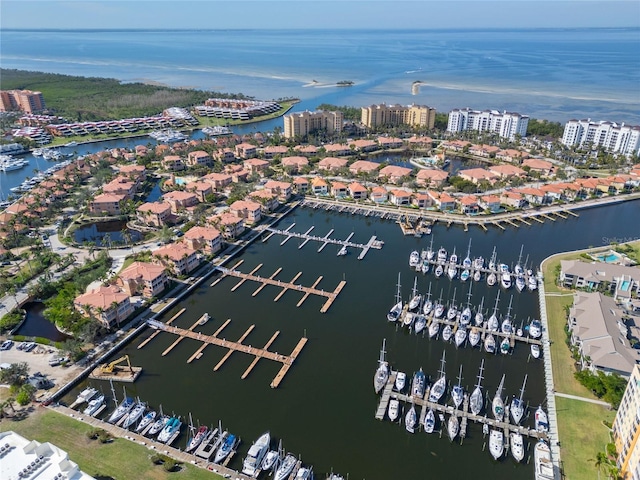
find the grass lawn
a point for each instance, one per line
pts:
(582, 436)
(121, 459)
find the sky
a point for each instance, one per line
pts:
(378, 14)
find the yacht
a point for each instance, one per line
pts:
(419, 383)
(476, 402)
(146, 420)
(442, 255)
(85, 395)
(382, 372)
(414, 259)
(465, 316)
(457, 392)
(453, 259)
(303, 473)
(520, 283)
(257, 451)
(517, 404)
(394, 409)
(416, 298)
(497, 405)
(197, 439)
(411, 419)
(505, 280)
(452, 270)
(396, 310)
(532, 283)
(452, 313)
(134, 414)
(427, 308)
(438, 310)
(490, 343)
(446, 333)
(496, 443)
(535, 329)
(517, 446)
(474, 337)
(535, 350)
(478, 263)
(121, 410)
(225, 448)
(285, 468)
(419, 323)
(543, 467)
(429, 421)
(217, 130)
(158, 425)
(460, 336)
(169, 430)
(430, 253)
(440, 385)
(401, 380)
(269, 460)
(425, 267)
(541, 422)
(434, 327)
(453, 426)
(479, 317)
(94, 405)
(505, 346)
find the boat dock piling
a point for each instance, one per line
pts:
(331, 296)
(179, 339)
(287, 361)
(326, 240)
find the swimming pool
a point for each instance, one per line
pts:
(608, 258)
(625, 285)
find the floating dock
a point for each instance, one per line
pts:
(119, 374)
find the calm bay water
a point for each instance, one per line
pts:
(324, 409)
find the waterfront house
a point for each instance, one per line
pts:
(272, 151)
(621, 281)
(599, 332)
(172, 163)
(363, 145)
(205, 239)
(399, 197)
(422, 200)
(357, 191)
(513, 199)
(143, 278)
(308, 150)
(217, 180)
(300, 185)
(225, 155)
(456, 145)
(389, 142)
(339, 190)
(247, 210)
(490, 202)
(255, 165)
(420, 141)
(154, 214)
(511, 155)
(229, 225)
(199, 158)
(363, 166)
(469, 205)
(246, 150)
(200, 189)
(294, 164)
(505, 171)
(137, 173)
(544, 167)
(267, 200)
(534, 196)
(179, 257)
(554, 192)
(107, 204)
(121, 185)
(379, 194)
(319, 186)
(282, 190)
(427, 177)
(337, 149)
(485, 151)
(332, 164)
(180, 200)
(477, 175)
(109, 305)
(442, 200)
(394, 173)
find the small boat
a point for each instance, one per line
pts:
(197, 439)
(94, 405)
(439, 271)
(496, 443)
(465, 316)
(460, 336)
(474, 337)
(440, 385)
(343, 251)
(497, 405)
(257, 451)
(506, 327)
(505, 346)
(85, 395)
(541, 421)
(477, 276)
(425, 267)
(520, 283)
(457, 392)
(535, 350)
(478, 263)
(519, 332)
(416, 298)
(453, 259)
(429, 421)
(411, 419)
(419, 384)
(135, 414)
(396, 310)
(401, 380)
(464, 276)
(204, 319)
(452, 271)
(434, 327)
(303, 473)
(269, 460)
(505, 281)
(408, 319)
(442, 255)
(446, 333)
(394, 409)
(414, 259)
(170, 429)
(382, 372)
(225, 448)
(543, 467)
(479, 317)
(453, 426)
(427, 308)
(532, 283)
(121, 410)
(476, 401)
(492, 278)
(439, 310)
(146, 420)
(517, 446)
(535, 329)
(490, 344)
(517, 405)
(452, 313)
(419, 323)
(285, 468)
(158, 425)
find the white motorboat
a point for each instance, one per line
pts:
(453, 259)
(419, 323)
(460, 335)
(216, 130)
(419, 384)
(541, 421)
(411, 419)
(427, 308)
(94, 405)
(269, 460)
(146, 420)
(430, 253)
(343, 251)
(532, 282)
(158, 425)
(447, 332)
(401, 381)
(434, 327)
(474, 337)
(505, 281)
(517, 404)
(497, 405)
(429, 422)
(439, 271)
(285, 468)
(453, 426)
(505, 346)
(227, 443)
(535, 329)
(490, 344)
(496, 443)
(257, 451)
(85, 395)
(440, 385)
(382, 372)
(520, 283)
(394, 409)
(303, 473)
(535, 350)
(457, 392)
(135, 414)
(396, 310)
(414, 259)
(517, 446)
(543, 467)
(442, 255)
(169, 430)
(476, 401)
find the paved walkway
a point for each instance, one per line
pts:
(582, 399)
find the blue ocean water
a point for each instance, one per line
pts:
(552, 74)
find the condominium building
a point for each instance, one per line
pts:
(300, 124)
(505, 124)
(613, 137)
(414, 115)
(24, 100)
(626, 429)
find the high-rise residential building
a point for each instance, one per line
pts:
(24, 100)
(414, 115)
(626, 429)
(613, 137)
(505, 124)
(300, 124)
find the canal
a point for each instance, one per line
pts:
(324, 409)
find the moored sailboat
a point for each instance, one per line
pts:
(440, 385)
(489, 343)
(460, 335)
(497, 405)
(517, 404)
(225, 448)
(419, 384)
(411, 419)
(476, 401)
(285, 468)
(453, 426)
(429, 421)
(396, 310)
(382, 372)
(457, 392)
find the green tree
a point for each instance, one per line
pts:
(15, 375)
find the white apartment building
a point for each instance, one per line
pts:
(505, 124)
(626, 429)
(613, 137)
(300, 124)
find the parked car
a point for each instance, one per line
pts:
(6, 345)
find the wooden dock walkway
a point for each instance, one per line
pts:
(237, 346)
(313, 290)
(153, 335)
(326, 240)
